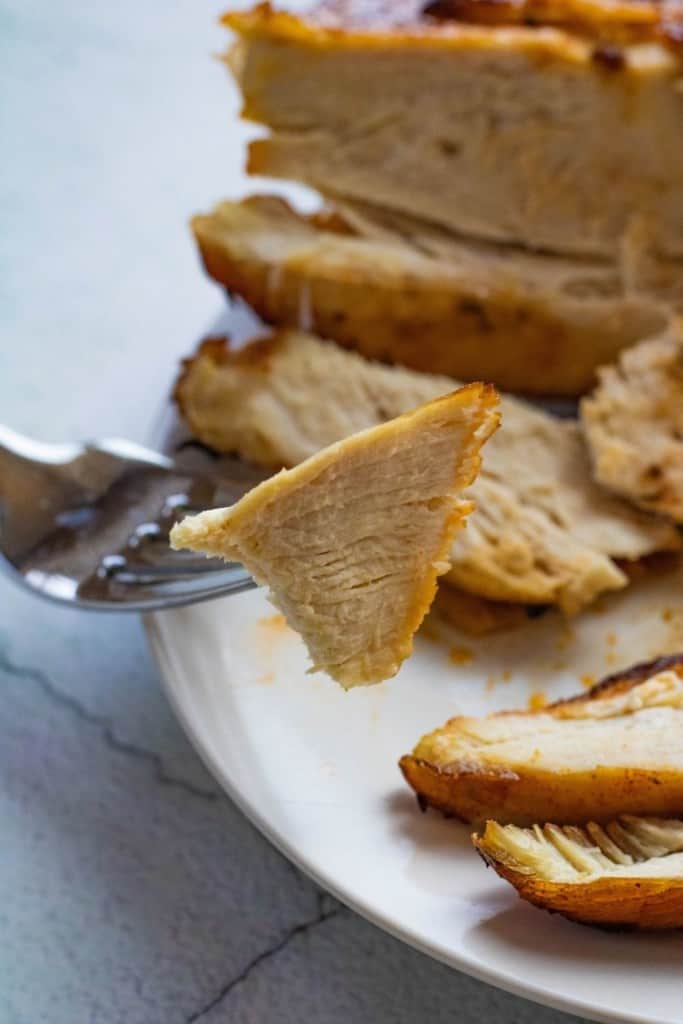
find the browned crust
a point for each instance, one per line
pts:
(625, 679)
(473, 792)
(452, 327)
(640, 903)
(626, 22)
(449, 23)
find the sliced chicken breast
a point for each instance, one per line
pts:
(350, 542)
(627, 873)
(554, 125)
(617, 749)
(633, 423)
(406, 292)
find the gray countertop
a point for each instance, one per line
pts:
(130, 888)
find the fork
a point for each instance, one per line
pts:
(86, 524)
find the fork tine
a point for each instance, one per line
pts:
(121, 569)
(145, 593)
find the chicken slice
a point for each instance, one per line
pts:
(617, 749)
(625, 873)
(523, 134)
(351, 541)
(633, 422)
(397, 289)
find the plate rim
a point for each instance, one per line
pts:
(457, 960)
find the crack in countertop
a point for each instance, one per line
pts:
(105, 727)
(324, 913)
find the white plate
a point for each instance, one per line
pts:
(315, 769)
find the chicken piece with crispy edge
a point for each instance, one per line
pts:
(627, 873)
(351, 541)
(617, 749)
(633, 423)
(622, 21)
(514, 133)
(406, 292)
(543, 532)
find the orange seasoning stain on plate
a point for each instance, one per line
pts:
(461, 655)
(493, 680)
(267, 635)
(611, 643)
(271, 629)
(587, 680)
(537, 701)
(274, 623)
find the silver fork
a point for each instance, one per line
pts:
(87, 524)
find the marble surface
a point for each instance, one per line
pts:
(130, 888)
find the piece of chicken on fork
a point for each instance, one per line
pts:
(351, 541)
